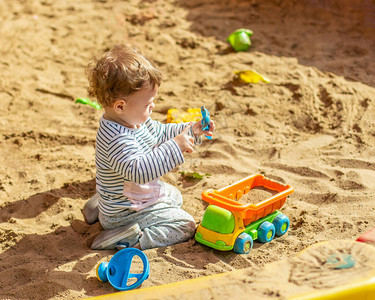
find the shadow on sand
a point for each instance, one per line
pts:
(338, 36)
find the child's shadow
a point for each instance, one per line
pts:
(57, 258)
(44, 266)
(36, 204)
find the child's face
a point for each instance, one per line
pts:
(139, 106)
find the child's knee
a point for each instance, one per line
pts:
(191, 230)
(188, 228)
(167, 234)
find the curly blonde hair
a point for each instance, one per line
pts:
(119, 73)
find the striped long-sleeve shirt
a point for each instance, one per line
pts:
(129, 163)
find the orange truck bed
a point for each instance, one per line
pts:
(228, 197)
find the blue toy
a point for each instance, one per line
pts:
(117, 270)
(205, 120)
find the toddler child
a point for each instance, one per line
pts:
(135, 208)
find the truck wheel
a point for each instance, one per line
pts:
(281, 223)
(266, 232)
(243, 244)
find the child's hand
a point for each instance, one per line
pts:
(184, 140)
(197, 128)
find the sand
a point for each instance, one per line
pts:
(311, 127)
(324, 268)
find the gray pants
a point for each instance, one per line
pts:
(163, 224)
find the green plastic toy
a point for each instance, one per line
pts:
(240, 39)
(228, 224)
(89, 102)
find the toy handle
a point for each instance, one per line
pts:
(207, 128)
(205, 120)
(140, 276)
(136, 275)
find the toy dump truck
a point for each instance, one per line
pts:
(227, 224)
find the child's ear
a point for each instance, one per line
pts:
(119, 106)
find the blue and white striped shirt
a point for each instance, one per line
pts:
(129, 163)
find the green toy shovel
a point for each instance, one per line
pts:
(89, 102)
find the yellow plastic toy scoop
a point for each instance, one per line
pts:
(176, 116)
(251, 76)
